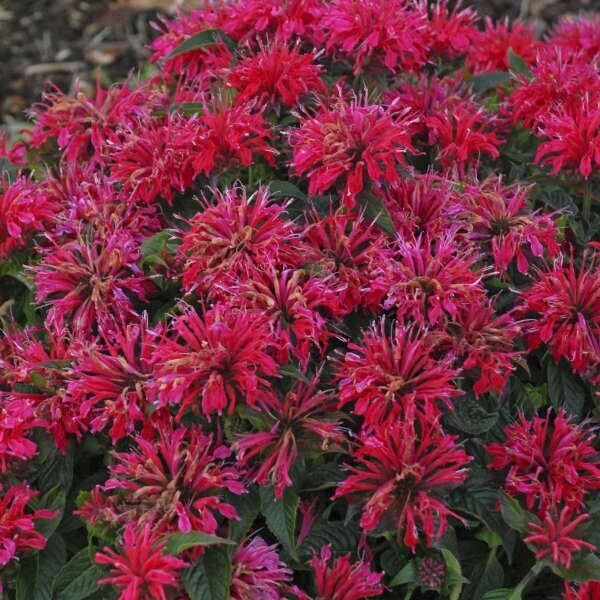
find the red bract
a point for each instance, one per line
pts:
(400, 470)
(174, 483)
(550, 461)
(215, 359)
(346, 142)
(301, 422)
(394, 368)
(91, 282)
(258, 572)
(275, 75)
(140, 569)
(236, 238)
(555, 537)
(25, 209)
(489, 50)
(578, 36)
(451, 32)
(340, 579)
(17, 526)
(432, 279)
(564, 306)
(373, 34)
(501, 223)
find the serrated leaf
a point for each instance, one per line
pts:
(490, 578)
(209, 578)
(280, 516)
(486, 81)
(54, 500)
(178, 542)
(472, 418)
(558, 199)
(515, 516)
(564, 390)
(78, 579)
(586, 568)
(517, 65)
(153, 248)
(290, 370)
(285, 189)
(247, 507)
(37, 572)
(343, 538)
(202, 39)
(408, 574)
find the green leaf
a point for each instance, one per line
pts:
(408, 574)
(247, 507)
(564, 390)
(486, 81)
(178, 542)
(491, 577)
(209, 578)
(37, 572)
(515, 516)
(517, 65)
(280, 516)
(156, 246)
(503, 594)
(78, 579)
(285, 189)
(559, 199)
(343, 538)
(472, 418)
(454, 580)
(54, 500)
(586, 568)
(202, 39)
(377, 212)
(290, 370)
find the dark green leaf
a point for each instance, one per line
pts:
(247, 507)
(503, 594)
(290, 370)
(178, 542)
(281, 516)
(202, 39)
(486, 81)
(586, 568)
(37, 572)
(343, 538)
(491, 577)
(156, 246)
(209, 578)
(564, 390)
(472, 418)
(78, 579)
(377, 212)
(517, 65)
(515, 516)
(408, 574)
(454, 579)
(559, 199)
(54, 500)
(285, 189)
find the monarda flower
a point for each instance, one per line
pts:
(584, 591)
(258, 572)
(549, 461)
(392, 369)
(555, 537)
(25, 209)
(578, 36)
(301, 422)
(140, 569)
(237, 237)
(489, 48)
(276, 75)
(450, 32)
(375, 34)
(500, 222)
(214, 359)
(564, 306)
(17, 525)
(175, 482)
(91, 280)
(400, 469)
(340, 579)
(346, 143)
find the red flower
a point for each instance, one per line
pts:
(258, 572)
(552, 538)
(578, 36)
(217, 358)
(302, 421)
(141, 569)
(17, 527)
(584, 591)
(25, 209)
(550, 462)
(346, 143)
(375, 34)
(489, 49)
(451, 32)
(393, 370)
(500, 221)
(565, 306)
(400, 469)
(276, 74)
(235, 239)
(174, 482)
(339, 579)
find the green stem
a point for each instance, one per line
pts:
(529, 577)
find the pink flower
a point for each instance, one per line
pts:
(451, 32)
(216, 358)
(584, 591)
(564, 306)
(394, 368)
(345, 143)
(550, 461)
(276, 75)
(258, 572)
(400, 470)
(303, 421)
(140, 569)
(339, 579)
(578, 36)
(17, 527)
(553, 537)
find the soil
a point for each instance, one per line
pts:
(69, 41)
